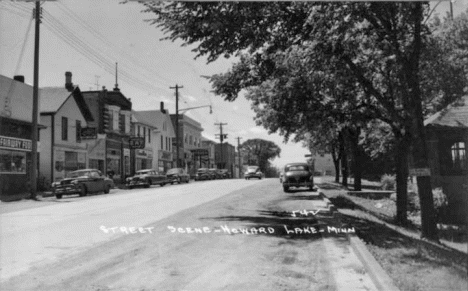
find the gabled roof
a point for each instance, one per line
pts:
(52, 99)
(143, 119)
(455, 115)
(157, 117)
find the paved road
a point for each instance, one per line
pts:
(213, 235)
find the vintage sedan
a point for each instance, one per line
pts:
(82, 182)
(177, 175)
(297, 175)
(146, 178)
(202, 174)
(253, 172)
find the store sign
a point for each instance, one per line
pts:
(15, 143)
(136, 142)
(200, 152)
(88, 133)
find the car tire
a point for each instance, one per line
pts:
(83, 191)
(130, 187)
(179, 181)
(286, 189)
(188, 180)
(58, 196)
(107, 189)
(162, 184)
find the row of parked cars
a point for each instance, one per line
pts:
(87, 181)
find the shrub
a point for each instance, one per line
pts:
(440, 201)
(388, 182)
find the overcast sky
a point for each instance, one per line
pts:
(87, 37)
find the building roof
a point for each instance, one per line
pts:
(144, 119)
(157, 117)
(52, 98)
(455, 115)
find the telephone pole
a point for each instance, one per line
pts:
(177, 87)
(35, 109)
(221, 138)
(239, 155)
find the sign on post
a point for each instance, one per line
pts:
(420, 172)
(88, 133)
(136, 142)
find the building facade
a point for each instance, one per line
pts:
(144, 128)
(15, 135)
(225, 156)
(447, 139)
(110, 151)
(64, 113)
(208, 161)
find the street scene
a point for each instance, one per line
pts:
(167, 145)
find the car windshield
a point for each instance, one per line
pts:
(202, 170)
(142, 172)
(252, 169)
(297, 168)
(173, 171)
(78, 174)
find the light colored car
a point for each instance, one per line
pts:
(82, 182)
(297, 175)
(146, 178)
(253, 172)
(177, 175)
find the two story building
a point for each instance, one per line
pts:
(145, 128)
(64, 112)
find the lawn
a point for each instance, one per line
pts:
(412, 263)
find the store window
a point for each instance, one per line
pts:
(64, 128)
(12, 162)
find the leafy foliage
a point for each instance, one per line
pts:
(262, 150)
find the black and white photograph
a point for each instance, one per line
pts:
(150, 145)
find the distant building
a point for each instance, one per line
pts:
(447, 140)
(225, 156)
(15, 135)
(208, 161)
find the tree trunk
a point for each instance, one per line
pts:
(401, 162)
(357, 157)
(344, 161)
(419, 149)
(336, 162)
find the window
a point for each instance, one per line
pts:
(190, 140)
(64, 128)
(162, 142)
(122, 123)
(78, 131)
(167, 143)
(144, 134)
(138, 130)
(458, 151)
(13, 162)
(149, 135)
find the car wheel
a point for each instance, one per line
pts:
(162, 184)
(188, 180)
(179, 181)
(130, 187)
(83, 191)
(58, 196)
(286, 189)
(107, 189)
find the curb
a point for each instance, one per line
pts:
(378, 275)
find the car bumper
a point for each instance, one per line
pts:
(137, 183)
(66, 190)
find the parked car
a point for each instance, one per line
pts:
(215, 174)
(253, 172)
(202, 174)
(146, 178)
(82, 182)
(297, 175)
(224, 173)
(177, 175)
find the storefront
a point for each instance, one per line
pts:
(164, 161)
(68, 160)
(113, 159)
(97, 153)
(143, 159)
(15, 160)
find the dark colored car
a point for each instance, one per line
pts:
(215, 173)
(177, 175)
(146, 178)
(224, 174)
(253, 172)
(202, 174)
(297, 175)
(82, 182)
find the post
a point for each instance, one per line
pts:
(35, 109)
(221, 138)
(177, 122)
(239, 155)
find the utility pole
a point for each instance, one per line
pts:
(221, 138)
(177, 87)
(96, 79)
(239, 155)
(35, 109)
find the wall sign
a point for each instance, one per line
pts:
(136, 142)
(88, 133)
(420, 172)
(15, 143)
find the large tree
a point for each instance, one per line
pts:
(379, 44)
(261, 151)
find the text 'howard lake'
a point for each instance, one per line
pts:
(285, 229)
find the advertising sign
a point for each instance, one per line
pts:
(88, 133)
(136, 142)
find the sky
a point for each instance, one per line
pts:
(88, 38)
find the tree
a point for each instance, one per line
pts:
(378, 44)
(262, 150)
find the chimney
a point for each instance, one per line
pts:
(19, 78)
(68, 81)
(162, 107)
